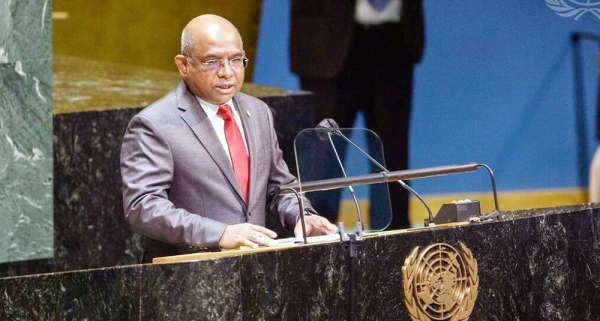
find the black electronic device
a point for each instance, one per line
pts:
(459, 211)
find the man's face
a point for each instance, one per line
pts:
(217, 84)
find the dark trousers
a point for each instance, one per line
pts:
(377, 79)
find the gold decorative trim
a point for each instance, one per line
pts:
(440, 283)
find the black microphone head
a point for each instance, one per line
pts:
(328, 123)
(325, 127)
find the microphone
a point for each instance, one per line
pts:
(331, 126)
(328, 125)
(325, 128)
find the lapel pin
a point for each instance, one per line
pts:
(248, 113)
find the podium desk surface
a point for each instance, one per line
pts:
(286, 244)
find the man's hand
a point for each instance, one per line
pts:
(315, 225)
(246, 234)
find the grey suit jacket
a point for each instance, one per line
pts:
(178, 184)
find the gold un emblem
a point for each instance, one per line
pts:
(440, 283)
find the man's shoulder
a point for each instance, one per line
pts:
(165, 105)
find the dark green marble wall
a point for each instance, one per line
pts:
(26, 180)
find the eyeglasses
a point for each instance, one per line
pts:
(212, 65)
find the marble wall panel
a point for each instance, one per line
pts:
(310, 283)
(91, 230)
(26, 228)
(189, 291)
(22, 300)
(103, 294)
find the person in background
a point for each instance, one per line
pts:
(359, 56)
(200, 166)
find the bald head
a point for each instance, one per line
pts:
(212, 58)
(206, 27)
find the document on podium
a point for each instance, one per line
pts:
(309, 240)
(326, 153)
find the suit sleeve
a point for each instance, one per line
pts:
(147, 172)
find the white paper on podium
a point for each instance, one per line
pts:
(310, 239)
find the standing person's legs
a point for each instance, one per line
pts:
(378, 82)
(389, 115)
(354, 90)
(391, 119)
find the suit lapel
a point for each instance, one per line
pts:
(195, 117)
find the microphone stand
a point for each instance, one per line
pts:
(404, 185)
(359, 224)
(351, 242)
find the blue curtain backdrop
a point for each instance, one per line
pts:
(496, 86)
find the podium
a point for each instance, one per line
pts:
(539, 264)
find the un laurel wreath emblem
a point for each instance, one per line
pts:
(440, 283)
(573, 8)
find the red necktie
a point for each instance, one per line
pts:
(237, 150)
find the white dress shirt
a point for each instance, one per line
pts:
(367, 15)
(219, 124)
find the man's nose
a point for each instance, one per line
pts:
(225, 69)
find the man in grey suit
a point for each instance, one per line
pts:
(181, 182)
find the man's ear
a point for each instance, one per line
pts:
(182, 65)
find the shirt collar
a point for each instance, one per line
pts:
(211, 109)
